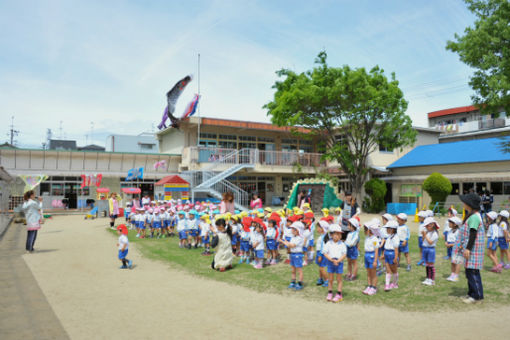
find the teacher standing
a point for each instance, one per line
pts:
(32, 209)
(472, 242)
(113, 203)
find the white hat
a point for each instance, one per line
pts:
(392, 224)
(324, 225)
(430, 220)
(402, 216)
(388, 217)
(354, 222)
(430, 213)
(372, 222)
(492, 215)
(298, 226)
(374, 228)
(455, 220)
(423, 214)
(453, 211)
(504, 213)
(335, 228)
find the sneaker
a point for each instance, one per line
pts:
(426, 282)
(319, 282)
(419, 263)
(240, 260)
(325, 284)
(366, 290)
(446, 258)
(305, 263)
(258, 266)
(189, 246)
(372, 291)
(429, 282)
(292, 285)
(123, 267)
(394, 286)
(329, 297)
(130, 264)
(348, 277)
(338, 298)
(268, 262)
(137, 235)
(354, 278)
(273, 262)
(408, 268)
(455, 279)
(469, 300)
(298, 286)
(507, 266)
(287, 261)
(387, 288)
(449, 278)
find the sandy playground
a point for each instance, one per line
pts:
(94, 300)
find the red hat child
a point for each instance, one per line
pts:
(123, 229)
(309, 215)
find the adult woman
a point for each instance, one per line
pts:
(223, 239)
(256, 202)
(113, 203)
(472, 245)
(227, 203)
(32, 209)
(349, 209)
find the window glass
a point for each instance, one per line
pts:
(248, 138)
(506, 188)
(455, 189)
(497, 188)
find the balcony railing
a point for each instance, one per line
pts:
(271, 158)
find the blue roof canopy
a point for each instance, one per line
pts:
(470, 151)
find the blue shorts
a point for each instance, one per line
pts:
(389, 256)
(403, 249)
(259, 254)
(445, 233)
(449, 251)
(234, 239)
(193, 232)
(183, 235)
(502, 243)
(332, 269)
(296, 260)
(311, 243)
(141, 225)
(492, 244)
(245, 246)
(429, 254)
(205, 239)
(126, 214)
(156, 225)
(271, 244)
(352, 253)
(123, 254)
(287, 239)
(113, 216)
(324, 261)
(420, 242)
(370, 259)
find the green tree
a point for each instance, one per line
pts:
(438, 187)
(486, 48)
(376, 190)
(350, 111)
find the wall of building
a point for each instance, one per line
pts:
(143, 143)
(172, 141)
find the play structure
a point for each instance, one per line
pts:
(323, 193)
(174, 187)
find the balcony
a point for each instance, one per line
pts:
(201, 155)
(471, 126)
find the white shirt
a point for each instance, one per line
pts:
(371, 243)
(140, 217)
(298, 241)
(352, 239)
(235, 228)
(320, 243)
(245, 236)
(148, 218)
(271, 233)
(403, 233)
(123, 240)
(204, 229)
(421, 228)
(447, 227)
(384, 232)
(452, 235)
(312, 231)
(433, 236)
(182, 224)
(392, 242)
(334, 250)
(502, 228)
(193, 224)
(492, 231)
(156, 218)
(287, 232)
(306, 236)
(259, 239)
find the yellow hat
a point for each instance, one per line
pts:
(295, 209)
(338, 209)
(298, 212)
(268, 209)
(281, 213)
(261, 215)
(204, 217)
(325, 212)
(244, 213)
(306, 205)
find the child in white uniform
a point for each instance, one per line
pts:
(503, 237)
(351, 242)
(320, 260)
(404, 234)
(258, 246)
(182, 229)
(390, 256)
(371, 255)
(296, 245)
(422, 215)
(492, 240)
(272, 250)
(205, 226)
(454, 239)
(430, 237)
(123, 246)
(336, 252)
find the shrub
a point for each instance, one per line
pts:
(376, 191)
(438, 187)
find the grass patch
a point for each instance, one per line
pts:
(411, 295)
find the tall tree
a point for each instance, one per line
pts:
(351, 111)
(486, 48)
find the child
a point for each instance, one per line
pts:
(123, 246)
(140, 220)
(156, 222)
(421, 228)
(390, 256)
(457, 258)
(492, 239)
(235, 233)
(192, 229)
(320, 260)
(371, 255)
(351, 242)
(335, 251)
(271, 236)
(404, 234)
(148, 220)
(381, 268)
(222, 237)
(451, 213)
(182, 229)
(127, 211)
(430, 238)
(258, 244)
(338, 215)
(295, 245)
(287, 235)
(205, 225)
(172, 221)
(245, 241)
(503, 239)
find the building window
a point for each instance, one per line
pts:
(506, 188)
(144, 146)
(383, 148)
(45, 188)
(497, 188)
(468, 187)
(228, 137)
(208, 135)
(455, 189)
(481, 187)
(247, 146)
(248, 138)
(57, 190)
(265, 139)
(227, 145)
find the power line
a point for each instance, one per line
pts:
(12, 132)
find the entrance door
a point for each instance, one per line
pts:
(261, 189)
(389, 194)
(147, 189)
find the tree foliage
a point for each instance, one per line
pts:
(351, 111)
(438, 187)
(376, 190)
(486, 48)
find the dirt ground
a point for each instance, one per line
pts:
(77, 269)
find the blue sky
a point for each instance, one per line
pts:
(111, 62)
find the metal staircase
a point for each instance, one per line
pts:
(212, 179)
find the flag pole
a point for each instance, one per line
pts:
(198, 108)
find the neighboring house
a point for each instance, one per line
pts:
(60, 144)
(91, 147)
(142, 143)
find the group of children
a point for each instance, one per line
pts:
(258, 235)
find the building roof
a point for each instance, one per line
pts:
(91, 147)
(250, 125)
(451, 111)
(174, 179)
(60, 144)
(470, 151)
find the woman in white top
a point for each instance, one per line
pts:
(32, 209)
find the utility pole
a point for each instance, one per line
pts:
(13, 133)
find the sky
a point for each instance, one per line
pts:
(88, 69)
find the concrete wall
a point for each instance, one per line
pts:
(172, 141)
(126, 143)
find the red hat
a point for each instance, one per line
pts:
(123, 229)
(328, 218)
(309, 215)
